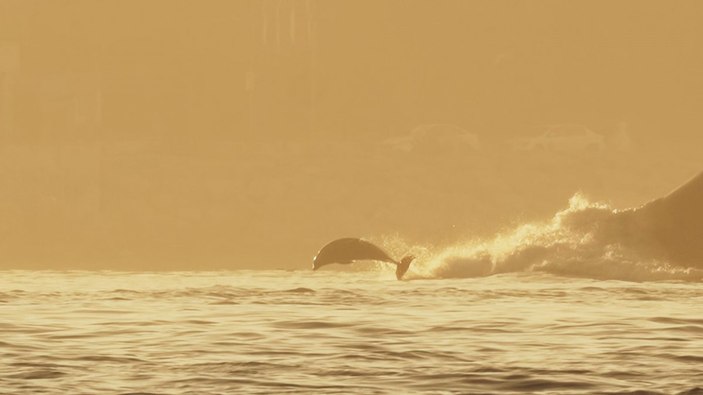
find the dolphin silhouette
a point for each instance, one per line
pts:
(351, 249)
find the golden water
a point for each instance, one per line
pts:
(332, 332)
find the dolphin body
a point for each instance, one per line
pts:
(351, 249)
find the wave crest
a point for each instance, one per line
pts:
(586, 239)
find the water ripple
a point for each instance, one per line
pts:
(290, 332)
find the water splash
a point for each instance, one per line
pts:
(586, 239)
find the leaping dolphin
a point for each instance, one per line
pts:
(351, 249)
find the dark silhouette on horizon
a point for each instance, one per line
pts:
(349, 250)
(670, 227)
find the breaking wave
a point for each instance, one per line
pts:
(659, 241)
(589, 240)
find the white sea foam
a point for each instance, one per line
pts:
(658, 241)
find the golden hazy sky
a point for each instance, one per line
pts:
(247, 133)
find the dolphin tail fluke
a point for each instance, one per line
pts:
(403, 266)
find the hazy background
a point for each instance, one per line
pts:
(243, 134)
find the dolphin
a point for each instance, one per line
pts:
(351, 249)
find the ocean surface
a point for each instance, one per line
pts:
(328, 331)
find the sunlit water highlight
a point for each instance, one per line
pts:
(331, 332)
